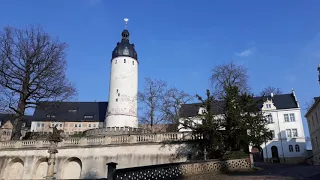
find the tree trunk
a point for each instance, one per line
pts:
(17, 124)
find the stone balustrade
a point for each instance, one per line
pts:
(102, 140)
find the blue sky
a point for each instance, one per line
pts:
(181, 41)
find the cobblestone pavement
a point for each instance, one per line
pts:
(268, 171)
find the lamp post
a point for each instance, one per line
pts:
(54, 139)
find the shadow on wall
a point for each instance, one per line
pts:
(91, 175)
(284, 149)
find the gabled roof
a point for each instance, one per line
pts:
(70, 111)
(282, 101)
(316, 101)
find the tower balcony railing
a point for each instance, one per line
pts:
(102, 140)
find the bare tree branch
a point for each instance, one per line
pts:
(268, 90)
(229, 74)
(32, 69)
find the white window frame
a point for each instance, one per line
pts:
(292, 117)
(288, 133)
(286, 117)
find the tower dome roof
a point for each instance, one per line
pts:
(124, 48)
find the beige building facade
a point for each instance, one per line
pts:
(313, 118)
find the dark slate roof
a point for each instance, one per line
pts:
(60, 111)
(282, 101)
(10, 117)
(124, 48)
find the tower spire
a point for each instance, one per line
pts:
(126, 23)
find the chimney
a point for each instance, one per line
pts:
(272, 95)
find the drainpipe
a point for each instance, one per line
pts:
(284, 159)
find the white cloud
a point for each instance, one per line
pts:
(246, 53)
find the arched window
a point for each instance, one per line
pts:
(290, 148)
(297, 148)
(116, 62)
(124, 60)
(132, 62)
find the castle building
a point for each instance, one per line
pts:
(285, 122)
(313, 119)
(71, 117)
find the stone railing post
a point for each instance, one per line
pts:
(18, 144)
(83, 141)
(159, 137)
(107, 140)
(112, 166)
(132, 138)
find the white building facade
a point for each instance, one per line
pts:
(122, 107)
(285, 122)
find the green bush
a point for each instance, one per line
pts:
(235, 155)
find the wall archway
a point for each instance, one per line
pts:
(14, 169)
(72, 168)
(40, 169)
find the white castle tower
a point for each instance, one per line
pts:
(122, 106)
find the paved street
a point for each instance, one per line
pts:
(270, 171)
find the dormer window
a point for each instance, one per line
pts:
(50, 116)
(88, 117)
(268, 106)
(72, 110)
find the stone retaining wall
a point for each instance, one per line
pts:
(178, 170)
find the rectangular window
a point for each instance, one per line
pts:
(79, 125)
(317, 117)
(317, 142)
(88, 117)
(42, 124)
(290, 148)
(60, 125)
(288, 132)
(268, 106)
(124, 60)
(89, 125)
(132, 62)
(270, 119)
(94, 125)
(75, 125)
(273, 134)
(292, 118)
(38, 124)
(286, 118)
(294, 132)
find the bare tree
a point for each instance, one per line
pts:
(268, 90)
(151, 99)
(227, 75)
(173, 100)
(32, 69)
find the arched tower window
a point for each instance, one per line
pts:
(297, 148)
